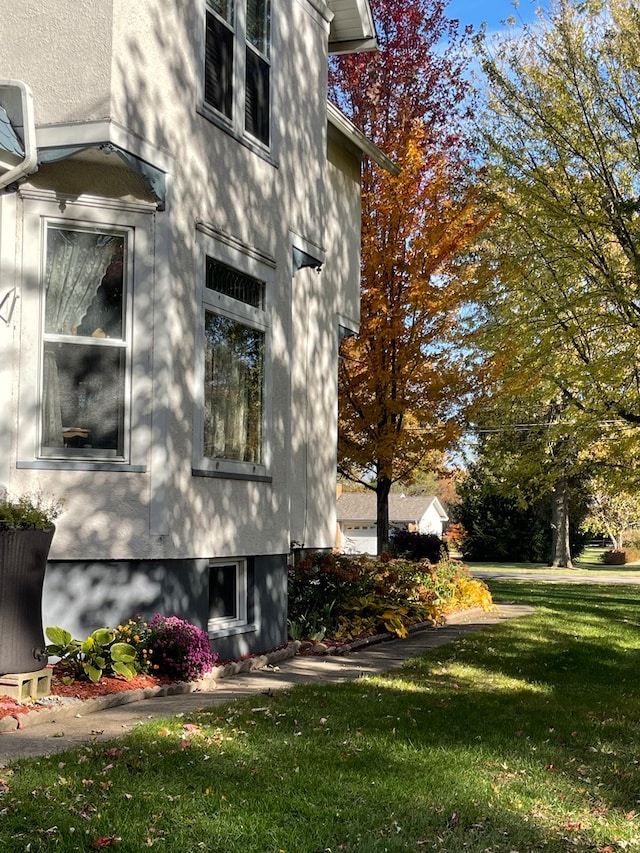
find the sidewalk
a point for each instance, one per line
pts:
(53, 730)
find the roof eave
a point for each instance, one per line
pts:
(363, 45)
(348, 129)
(353, 27)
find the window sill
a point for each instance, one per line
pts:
(247, 141)
(231, 631)
(231, 475)
(81, 465)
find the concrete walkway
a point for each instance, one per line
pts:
(57, 729)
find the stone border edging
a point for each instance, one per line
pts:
(53, 713)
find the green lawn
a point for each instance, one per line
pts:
(589, 561)
(522, 737)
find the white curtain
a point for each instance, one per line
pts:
(76, 264)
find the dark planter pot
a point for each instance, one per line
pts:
(23, 561)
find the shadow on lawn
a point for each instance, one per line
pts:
(554, 709)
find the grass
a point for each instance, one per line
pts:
(522, 737)
(589, 561)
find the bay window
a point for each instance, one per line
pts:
(232, 407)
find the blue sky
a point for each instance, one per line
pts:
(493, 12)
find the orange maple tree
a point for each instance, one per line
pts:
(406, 378)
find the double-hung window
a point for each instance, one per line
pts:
(84, 371)
(237, 66)
(233, 411)
(85, 342)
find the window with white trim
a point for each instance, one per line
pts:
(232, 412)
(227, 595)
(237, 66)
(79, 404)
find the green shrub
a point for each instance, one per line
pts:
(342, 597)
(29, 512)
(166, 646)
(418, 546)
(136, 633)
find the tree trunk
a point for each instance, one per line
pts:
(383, 488)
(560, 541)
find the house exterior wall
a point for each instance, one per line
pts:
(64, 51)
(431, 522)
(135, 539)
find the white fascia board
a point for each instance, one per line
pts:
(348, 129)
(96, 132)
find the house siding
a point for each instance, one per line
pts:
(83, 594)
(136, 540)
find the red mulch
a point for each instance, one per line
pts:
(89, 690)
(9, 707)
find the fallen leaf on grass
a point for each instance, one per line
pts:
(115, 752)
(106, 841)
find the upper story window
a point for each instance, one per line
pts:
(237, 65)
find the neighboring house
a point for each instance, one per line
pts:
(179, 255)
(356, 517)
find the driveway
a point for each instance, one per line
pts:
(578, 575)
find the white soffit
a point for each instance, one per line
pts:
(352, 27)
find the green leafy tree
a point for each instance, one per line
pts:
(523, 498)
(562, 261)
(560, 264)
(612, 511)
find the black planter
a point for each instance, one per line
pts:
(23, 560)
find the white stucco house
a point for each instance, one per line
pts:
(356, 518)
(179, 255)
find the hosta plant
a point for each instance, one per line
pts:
(100, 654)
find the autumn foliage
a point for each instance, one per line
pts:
(405, 379)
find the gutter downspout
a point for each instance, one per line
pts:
(21, 115)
